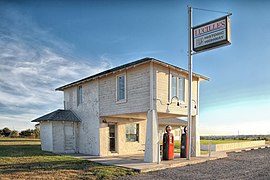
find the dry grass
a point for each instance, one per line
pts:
(23, 159)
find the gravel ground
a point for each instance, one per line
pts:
(254, 164)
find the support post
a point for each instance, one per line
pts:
(151, 143)
(189, 79)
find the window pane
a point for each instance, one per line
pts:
(181, 89)
(79, 95)
(132, 132)
(121, 88)
(173, 86)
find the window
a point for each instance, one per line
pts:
(178, 87)
(132, 132)
(174, 86)
(79, 95)
(181, 89)
(121, 87)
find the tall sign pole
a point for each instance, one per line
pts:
(189, 80)
(207, 36)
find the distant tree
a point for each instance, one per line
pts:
(14, 133)
(6, 132)
(26, 133)
(36, 132)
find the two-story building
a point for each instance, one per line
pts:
(120, 111)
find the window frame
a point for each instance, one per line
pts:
(171, 86)
(79, 95)
(183, 87)
(137, 134)
(177, 88)
(125, 88)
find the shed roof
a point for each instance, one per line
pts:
(59, 115)
(134, 63)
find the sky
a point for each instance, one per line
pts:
(46, 44)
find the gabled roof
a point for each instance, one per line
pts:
(134, 63)
(59, 115)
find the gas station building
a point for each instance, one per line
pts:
(123, 110)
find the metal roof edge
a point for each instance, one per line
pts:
(133, 63)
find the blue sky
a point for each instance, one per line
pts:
(46, 44)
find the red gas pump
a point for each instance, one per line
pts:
(184, 144)
(168, 144)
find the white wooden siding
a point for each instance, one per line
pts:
(163, 91)
(137, 92)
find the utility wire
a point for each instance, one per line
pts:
(213, 11)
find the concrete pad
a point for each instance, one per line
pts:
(137, 163)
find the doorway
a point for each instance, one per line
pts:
(112, 137)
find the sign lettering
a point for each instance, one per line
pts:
(211, 35)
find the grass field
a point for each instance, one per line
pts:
(22, 158)
(222, 141)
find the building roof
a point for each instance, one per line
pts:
(59, 115)
(128, 65)
(173, 121)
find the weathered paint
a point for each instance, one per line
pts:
(147, 95)
(88, 112)
(137, 92)
(46, 136)
(58, 136)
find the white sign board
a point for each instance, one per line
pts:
(212, 34)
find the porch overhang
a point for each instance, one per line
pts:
(142, 116)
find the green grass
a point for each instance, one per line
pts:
(222, 141)
(23, 159)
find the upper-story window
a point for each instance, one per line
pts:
(181, 88)
(121, 87)
(174, 86)
(79, 95)
(178, 87)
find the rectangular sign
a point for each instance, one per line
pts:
(212, 34)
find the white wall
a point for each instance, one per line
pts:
(163, 91)
(58, 136)
(46, 136)
(122, 146)
(88, 129)
(137, 92)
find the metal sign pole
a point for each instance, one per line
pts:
(189, 80)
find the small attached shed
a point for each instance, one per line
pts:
(58, 131)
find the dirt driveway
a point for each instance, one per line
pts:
(254, 164)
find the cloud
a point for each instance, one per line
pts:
(32, 64)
